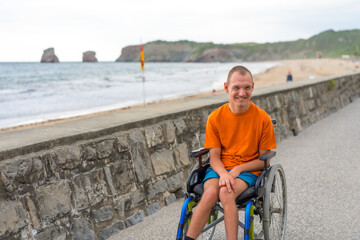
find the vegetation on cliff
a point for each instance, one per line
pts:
(330, 44)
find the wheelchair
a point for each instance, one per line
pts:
(264, 205)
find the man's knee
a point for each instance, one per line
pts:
(210, 196)
(226, 196)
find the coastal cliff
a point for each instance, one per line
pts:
(326, 44)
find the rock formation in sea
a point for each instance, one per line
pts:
(49, 56)
(89, 56)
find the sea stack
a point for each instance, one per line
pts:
(89, 56)
(49, 56)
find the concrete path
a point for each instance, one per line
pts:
(322, 167)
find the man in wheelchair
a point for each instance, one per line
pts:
(237, 134)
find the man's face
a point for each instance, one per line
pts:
(239, 89)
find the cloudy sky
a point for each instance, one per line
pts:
(27, 27)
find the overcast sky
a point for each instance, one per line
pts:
(28, 27)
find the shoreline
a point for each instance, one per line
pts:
(301, 69)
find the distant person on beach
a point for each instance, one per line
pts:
(237, 133)
(214, 92)
(289, 77)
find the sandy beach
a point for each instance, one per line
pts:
(301, 69)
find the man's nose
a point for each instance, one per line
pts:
(242, 92)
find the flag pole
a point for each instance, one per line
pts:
(142, 65)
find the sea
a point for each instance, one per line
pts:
(38, 92)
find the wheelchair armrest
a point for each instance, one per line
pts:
(199, 152)
(267, 155)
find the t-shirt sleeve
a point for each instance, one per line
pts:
(267, 140)
(212, 138)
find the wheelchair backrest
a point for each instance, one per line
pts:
(196, 177)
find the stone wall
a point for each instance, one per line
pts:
(93, 188)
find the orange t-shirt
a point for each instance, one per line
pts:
(240, 136)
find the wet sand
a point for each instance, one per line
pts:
(301, 69)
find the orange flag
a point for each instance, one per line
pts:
(142, 60)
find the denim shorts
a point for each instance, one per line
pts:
(248, 177)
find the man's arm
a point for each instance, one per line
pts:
(251, 166)
(226, 180)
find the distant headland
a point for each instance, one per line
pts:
(327, 44)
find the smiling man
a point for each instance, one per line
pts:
(237, 134)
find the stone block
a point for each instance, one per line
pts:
(89, 189)
(32, 211)
(193, 123)
(89, 152)
(154, 135)
(123, 204)
(113, 229)
(105, 148)
(294, 96)
(182, 154)
(134, 219)
(104, 214)
(140, 156)
(302, 108)
(54, 200)
(153, 208)
(21, 171)
(109, 180)
(122, 173)
(51, 166)
(175, 182)
(170, 132)
(180, 125)
(137, 197)
(163, 161)
(12, 216)
(53, 233)
(82, 230)
(156, 188)
(123, 142)
(202, 139)
(311, 105)
(69, 157)
(180, 193)
(194, 141)
(170, 199)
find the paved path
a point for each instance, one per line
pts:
(322, 167)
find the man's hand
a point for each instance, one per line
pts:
(235, 172)
(228, 181)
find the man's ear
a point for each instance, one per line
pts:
(226, 87)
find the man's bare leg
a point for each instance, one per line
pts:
(231, 216)
(202, 211)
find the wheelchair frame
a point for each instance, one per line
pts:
(257, 202)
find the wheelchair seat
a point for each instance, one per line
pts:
(240, 200)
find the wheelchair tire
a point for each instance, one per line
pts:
(206, 235)
(275, 204)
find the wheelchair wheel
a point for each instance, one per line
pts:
(208, 231)
(275, 204)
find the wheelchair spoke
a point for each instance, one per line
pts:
(275, 210)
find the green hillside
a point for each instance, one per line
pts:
(330, 44)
